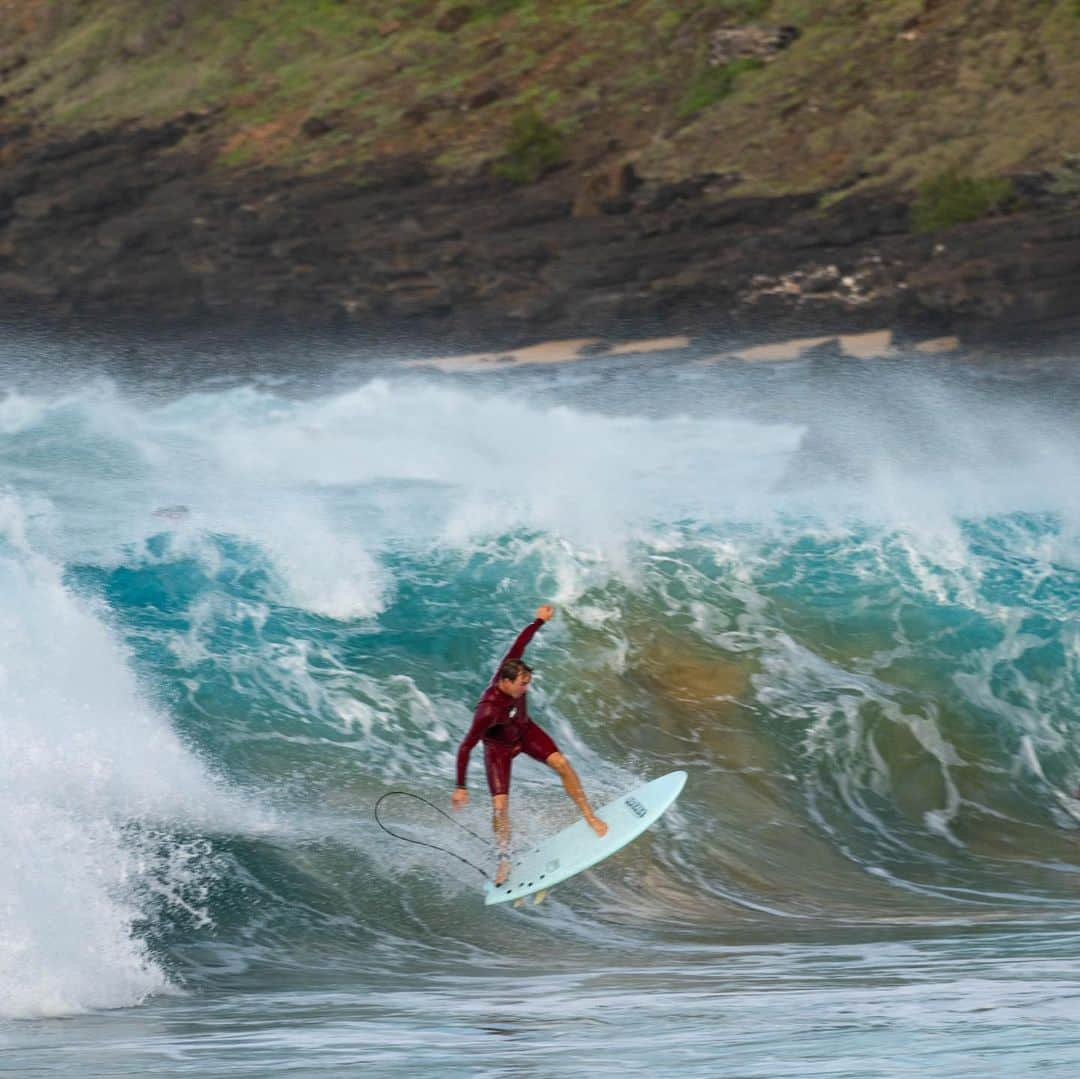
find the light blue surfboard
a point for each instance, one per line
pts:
(578, 847)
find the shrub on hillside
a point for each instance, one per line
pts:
(951, 199)
(535, 147)
(715, 83)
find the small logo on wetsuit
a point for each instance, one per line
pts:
(636, 807)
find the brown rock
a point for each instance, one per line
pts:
(418, 113)
(485, 97)
(820, 279)
(746, 42)
(607, 191)
(314, 126)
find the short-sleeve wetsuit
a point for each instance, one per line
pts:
(504, 725)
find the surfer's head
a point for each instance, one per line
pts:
(514, 678)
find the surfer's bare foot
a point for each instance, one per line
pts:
(597, 825)
(502, 872)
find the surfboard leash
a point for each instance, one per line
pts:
(420, 842)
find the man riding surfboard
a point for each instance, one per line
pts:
(502, 721)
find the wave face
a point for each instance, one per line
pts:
(844, 600)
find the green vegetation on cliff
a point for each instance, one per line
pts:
(865, 92)
(535, 147)
(950, 199)
(714, 83)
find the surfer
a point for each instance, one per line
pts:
(502, 721)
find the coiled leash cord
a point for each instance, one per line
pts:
(420, 842)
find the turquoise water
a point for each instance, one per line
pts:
(239, 608)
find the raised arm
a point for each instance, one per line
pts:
(517, 649)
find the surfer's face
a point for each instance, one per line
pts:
(517, 687)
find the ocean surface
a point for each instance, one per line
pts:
(237, 607)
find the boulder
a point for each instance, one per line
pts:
(485, 97)
(749, 42)
(607, 191)
(314, 126)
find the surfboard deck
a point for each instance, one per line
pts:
(578, 847)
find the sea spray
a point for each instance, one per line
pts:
(92, 783)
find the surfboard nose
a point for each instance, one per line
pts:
(578, 847)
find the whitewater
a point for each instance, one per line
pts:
(236, 608)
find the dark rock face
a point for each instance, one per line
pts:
(125, 224)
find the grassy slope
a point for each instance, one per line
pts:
(874, 90)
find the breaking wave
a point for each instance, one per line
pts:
(232, 618)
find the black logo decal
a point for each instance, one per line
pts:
(636, 807)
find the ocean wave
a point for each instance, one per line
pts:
(83, 759)
(859, 638)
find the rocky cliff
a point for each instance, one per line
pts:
(726, 169)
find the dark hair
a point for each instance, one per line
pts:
(511, 668)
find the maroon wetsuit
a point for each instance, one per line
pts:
(505, 727)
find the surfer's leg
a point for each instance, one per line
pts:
(539, 745)
(501, 824)
(573, 788)
(497, 765)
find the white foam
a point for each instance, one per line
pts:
(84, 766)
(321, 486)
